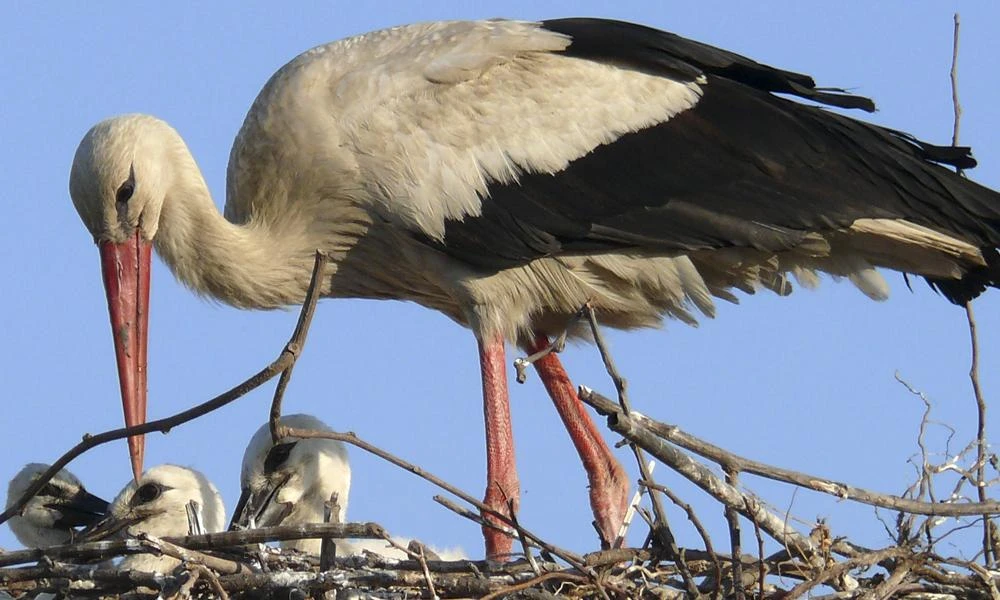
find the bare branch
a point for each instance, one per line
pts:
(656, 433)
(208, 541)
(296, 344)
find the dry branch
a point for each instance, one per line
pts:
(656, 433)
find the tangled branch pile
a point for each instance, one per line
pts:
(237, 564)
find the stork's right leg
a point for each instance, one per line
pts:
(502, 485)
(608, 479)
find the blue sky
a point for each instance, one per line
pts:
(805, 381)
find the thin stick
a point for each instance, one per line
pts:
(521, 364)
(509, 590)
(298, 341)
(762, 570)
(570, 558)
(287, 358)
(213, 580)
(662, 525)
(988, 551)
(862, 561)
(215, 563)
(520, 536)
(417, 555)
(957, 107)
(328, 549)
(630, 513)
(733, 520)
(693, 517)
(185, 590)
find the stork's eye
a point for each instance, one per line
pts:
(147, 493)
(125, 191)
(277, 456)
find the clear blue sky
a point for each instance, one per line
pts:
(805, 381)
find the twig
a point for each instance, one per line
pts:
(575, 560)
(503, 593)
(988, 551)
(630, 512)
(662, 525)
(184, 591)
(213, 580)
(220, 565)
(693, 517)
(427, 574)
(661, 432)
(528, 555)
(287, 358)
(887, 588)
(327, 549)
(521, 364)
(472, 516)
(295, 345)
(733, 520)
(418, 556)
(954, 85)
(864, 560)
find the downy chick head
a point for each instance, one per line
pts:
(51, 516)
(289, 483)
(156, 504)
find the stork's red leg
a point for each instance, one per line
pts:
(502, 485)
(608, 481)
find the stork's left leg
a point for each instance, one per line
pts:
(608, 481)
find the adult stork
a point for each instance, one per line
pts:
(505, 173)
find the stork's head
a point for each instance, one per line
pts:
(50, 517)
(290, 482)
(156, 504)
(118, 182)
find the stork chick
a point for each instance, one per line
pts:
(50, 518)
(291, 482)
(156, 504)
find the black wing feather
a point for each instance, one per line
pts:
(743, 168)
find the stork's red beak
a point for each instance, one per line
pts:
(126, 280)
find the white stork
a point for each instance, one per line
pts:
(156, 503)
(51, 517)
(290, 484)
(505, 173)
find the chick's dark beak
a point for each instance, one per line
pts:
(82, 509)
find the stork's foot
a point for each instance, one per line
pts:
(609, 491)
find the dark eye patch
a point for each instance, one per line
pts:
(277, 456)
(124, 194)
(50, 490)
(146, 493)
